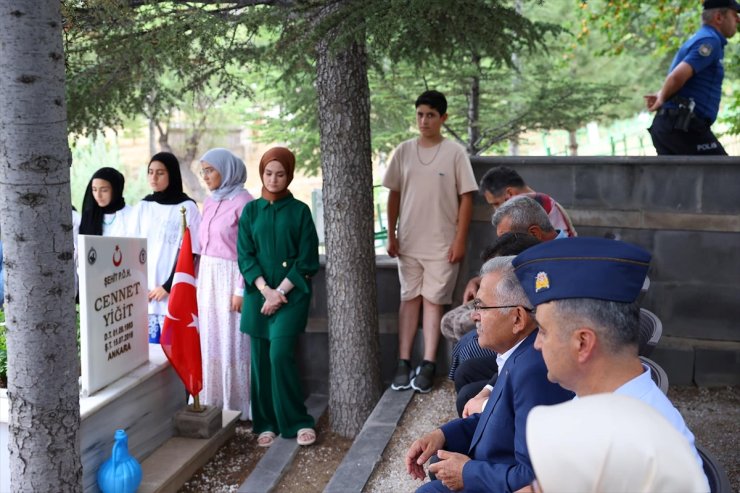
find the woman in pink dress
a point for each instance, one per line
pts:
(225, 349)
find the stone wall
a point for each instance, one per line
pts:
(686, 212)
(683, 210)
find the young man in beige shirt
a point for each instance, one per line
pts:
(430, 204)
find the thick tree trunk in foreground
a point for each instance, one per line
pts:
(35, 210)
(344, 122)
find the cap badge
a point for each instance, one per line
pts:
(541, 282)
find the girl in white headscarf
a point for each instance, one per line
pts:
(609, 443)
(225, 349)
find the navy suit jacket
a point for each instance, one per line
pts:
(496, 440)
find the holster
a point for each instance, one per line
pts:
(684, 113)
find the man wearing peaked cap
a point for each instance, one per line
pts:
(586, 268)
(584, 291)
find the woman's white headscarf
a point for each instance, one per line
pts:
(610, 443)
(232, 170)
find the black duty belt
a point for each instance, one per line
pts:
(673, 112)
(668, 111)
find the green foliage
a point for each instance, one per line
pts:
(285, 110)
(117, 57)
(162, 56)
(91, 154)
(511, 102)
(125, 61)
(651, 31)
(655, 27)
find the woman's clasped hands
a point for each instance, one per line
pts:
(273, 301)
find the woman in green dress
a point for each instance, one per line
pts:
(278, 254)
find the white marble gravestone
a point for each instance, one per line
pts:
(113, 308)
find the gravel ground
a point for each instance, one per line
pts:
(712, 414)
(714, 417)
(424, 413)
(311, 470)
(314, 466)
(231, 465)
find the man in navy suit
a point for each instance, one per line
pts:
(488, 451)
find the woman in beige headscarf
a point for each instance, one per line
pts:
(609, 443)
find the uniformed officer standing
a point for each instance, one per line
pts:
(688, 102)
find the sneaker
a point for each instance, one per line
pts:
(402, 379)
(424, 379)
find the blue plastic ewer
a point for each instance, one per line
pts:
(121, 473)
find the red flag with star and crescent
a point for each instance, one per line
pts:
(180, 337)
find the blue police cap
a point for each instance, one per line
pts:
(718, 4)
(582, 268)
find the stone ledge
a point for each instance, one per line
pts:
(368, 447)
(698, 362)
(638, 219)
(175, 462)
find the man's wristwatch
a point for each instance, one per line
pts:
(280, 290)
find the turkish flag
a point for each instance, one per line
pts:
(180, 337)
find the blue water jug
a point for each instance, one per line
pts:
(121, 473)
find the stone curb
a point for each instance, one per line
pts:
(367, 449)
(175, 462)
(273, 465)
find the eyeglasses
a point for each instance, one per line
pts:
(478, 306)
(207, 171)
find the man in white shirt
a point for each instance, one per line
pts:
(584, 291)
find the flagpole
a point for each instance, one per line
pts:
(196, 399)
(184, 219)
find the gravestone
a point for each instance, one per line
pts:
(113, 308)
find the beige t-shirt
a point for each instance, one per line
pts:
(430, 180)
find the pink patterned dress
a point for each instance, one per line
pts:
(225, 349)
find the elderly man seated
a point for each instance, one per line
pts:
(584, 292)
(488, 452)
(520, 215)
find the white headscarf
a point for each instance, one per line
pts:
(232, 170)
(609, 443)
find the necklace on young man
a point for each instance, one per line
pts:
(108, 223)
(418, 154)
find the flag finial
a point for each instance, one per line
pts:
(184, 219)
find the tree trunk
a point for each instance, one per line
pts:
(344, 126)
(474, 109)
(190, 180)
(572, 143)
(514, 146)
(36, 215)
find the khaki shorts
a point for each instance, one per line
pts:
(434, 280)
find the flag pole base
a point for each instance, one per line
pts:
(198, 424)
